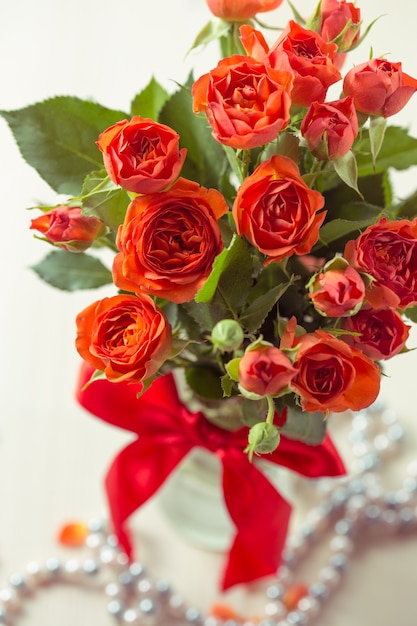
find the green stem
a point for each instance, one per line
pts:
(271, 410)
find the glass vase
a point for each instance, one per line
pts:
(192, 498)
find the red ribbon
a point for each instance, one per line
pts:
(167, 431)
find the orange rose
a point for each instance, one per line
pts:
(331, 376)
(310, 58)
(168, 241)
(67, 228)
(126, 337)
(277, 212)
(246, 102)
(141, 155)
(379, 333)
(240, 10)
(301, 52)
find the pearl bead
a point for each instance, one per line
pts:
(330, 576)
(275, 592)
(275, 609)
(341, 544)
(310, 606)
(319, 590)
(130, 616)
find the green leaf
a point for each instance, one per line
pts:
(257, 311)
(377, 128)
(398, 151)
(204, 315)
(347, 169)
(204, 381)
(212, 31)
(206, 161)
(339, 229)
(57, 138)
(231, 276)
(150, 101)
(411, 313)
(304, 426)
(102, 198)
(70, 272)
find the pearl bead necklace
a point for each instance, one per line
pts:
(348, 508)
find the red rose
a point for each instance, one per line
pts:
(387, 251)
(246, 102)
(381, 332)
(337, 290)
(311, 60)
(379, 87)
(265, 370)
(277, 212)
(331, 376)
(340, 20)
(240, 10)
(169, 240)
(330, 128)
(141, 155)
(67, 228)
(126, 337)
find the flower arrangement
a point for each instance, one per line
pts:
(256, 242)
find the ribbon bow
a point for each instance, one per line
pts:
(167, 431)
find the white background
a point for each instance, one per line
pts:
(53, 456)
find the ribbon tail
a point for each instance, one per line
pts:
(136, 473)
(261, 516)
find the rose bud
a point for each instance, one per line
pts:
(227, 335)
(340, 22)
(330, 129)
(379, 87)
(337, 290)
(379, 333)
(263, 438)
(265, 370)
(67, 228)
(141, 155)
(240, 10)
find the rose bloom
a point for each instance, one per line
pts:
(336, 15)
(265, 370)
(311, 60)
(330, 128)
(337, 292)
(331, 376)
(246, 102)
(127, 337)
(387, 251)
(169, 240)
(379, 87)
(381, 332)
(67, 228)
(277, 212)
(141, 155)
(240, 10)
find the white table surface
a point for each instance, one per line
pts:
(53, 456)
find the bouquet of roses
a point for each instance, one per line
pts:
(257, 243)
